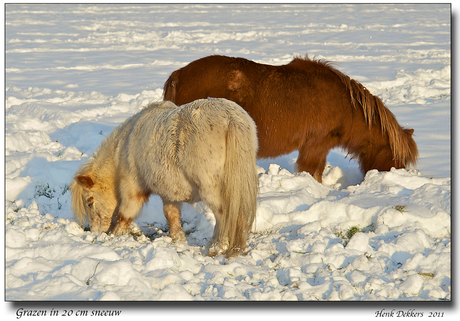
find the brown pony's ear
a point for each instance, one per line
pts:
(410, 131)
(86, 181)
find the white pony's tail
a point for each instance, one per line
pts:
(240, 183)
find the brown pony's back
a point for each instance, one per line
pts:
(305, 105)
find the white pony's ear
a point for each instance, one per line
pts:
(85, 181)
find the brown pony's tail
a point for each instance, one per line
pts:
(240, 185)
(169, 89)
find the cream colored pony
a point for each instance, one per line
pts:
(204, 150)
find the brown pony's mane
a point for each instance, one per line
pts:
(372, 108)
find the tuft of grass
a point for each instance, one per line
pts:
(427, 275)
(352, 231)
(16, 208)
(369, 228)
(400, 208)
(44, 190)
(349, 234)
(65, 189)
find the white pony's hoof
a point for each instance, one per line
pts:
(178, 237)
(217, 249)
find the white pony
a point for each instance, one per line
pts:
(204, 150)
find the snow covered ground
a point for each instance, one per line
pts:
(74, 72)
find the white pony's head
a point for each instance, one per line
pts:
(93, 198)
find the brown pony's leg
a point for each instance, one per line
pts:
(171, 211)
(312, 159)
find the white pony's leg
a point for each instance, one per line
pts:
(130, 204)
(98, 223)
(127, 212)
(219, 242)
(172, 211)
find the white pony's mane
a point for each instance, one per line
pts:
(77, 203)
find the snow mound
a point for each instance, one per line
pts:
(376, 240)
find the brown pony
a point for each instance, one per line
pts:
(305, 105)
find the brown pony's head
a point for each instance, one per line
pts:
(408, 151)
(385, 144)
(400, 152)
(92, 199)
(389, 144)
